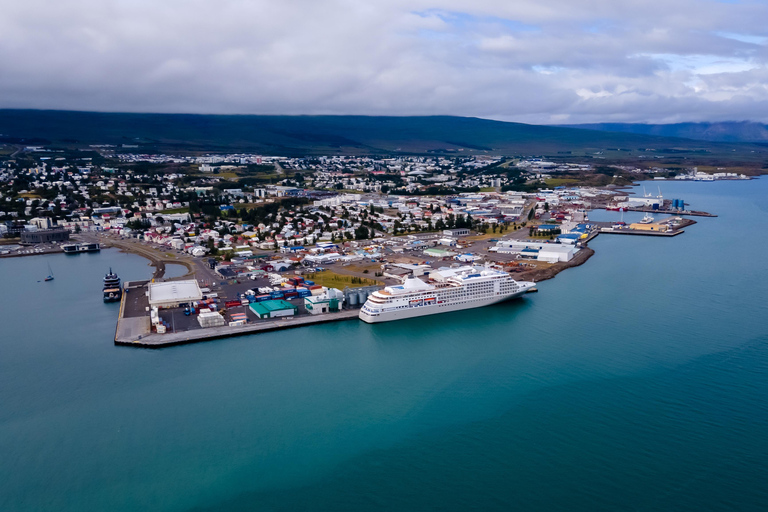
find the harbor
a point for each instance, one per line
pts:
(511, 379)
(155, 314)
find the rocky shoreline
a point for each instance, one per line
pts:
(548, 273)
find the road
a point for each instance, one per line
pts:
(158, 257)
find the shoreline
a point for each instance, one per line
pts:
(545, 274)
(148, 253)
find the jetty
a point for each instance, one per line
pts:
(134, 327)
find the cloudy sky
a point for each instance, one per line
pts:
(538, 61)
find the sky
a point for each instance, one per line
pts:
(533, 61)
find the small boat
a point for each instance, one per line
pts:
(50, 274)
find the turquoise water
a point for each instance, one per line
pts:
(638, 381)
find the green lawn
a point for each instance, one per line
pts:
(334, 280)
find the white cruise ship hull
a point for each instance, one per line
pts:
(434, 309)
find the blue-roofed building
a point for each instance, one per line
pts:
(569, 238)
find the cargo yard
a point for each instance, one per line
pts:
(162, 313)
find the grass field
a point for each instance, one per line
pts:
(558, 182)
(334, 280)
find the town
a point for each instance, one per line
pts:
(257, 232)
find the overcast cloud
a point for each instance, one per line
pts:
(538, 61)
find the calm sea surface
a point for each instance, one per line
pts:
(638, 381)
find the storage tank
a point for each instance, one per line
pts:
(363, 296)
(354, 300)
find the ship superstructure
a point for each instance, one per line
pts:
(446, 289)
(112, 289)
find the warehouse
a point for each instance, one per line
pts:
(653, 226)
(320, 304)
(553, 253)
(438, 253)
(542, 251)
(172, 293)
(273, 308)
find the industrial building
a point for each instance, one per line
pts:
(44, 236)
(273, 308)
(541, 251)
(438, 253)
(653, 226)
(320, 304)
(456, 232)
(172, 293)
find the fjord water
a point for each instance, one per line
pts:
(638, 381)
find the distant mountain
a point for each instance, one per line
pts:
(324, 135)
(743, 131)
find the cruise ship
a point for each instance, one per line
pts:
(446, 289)
(112, 290)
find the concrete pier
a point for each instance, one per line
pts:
(129, 334)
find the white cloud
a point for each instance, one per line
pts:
(525, 60)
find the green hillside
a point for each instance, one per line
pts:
(303, 135)
(731, 131)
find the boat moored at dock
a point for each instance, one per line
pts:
(78, 248)
(112, 289)
(446, 289)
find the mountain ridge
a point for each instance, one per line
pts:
(724, 131)
(331, 135)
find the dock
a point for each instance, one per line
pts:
(668, 211)
(638, 232)
(608, 228)
(154, 340)
(134, 328)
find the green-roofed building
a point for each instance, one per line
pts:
(273, 308)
